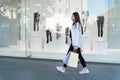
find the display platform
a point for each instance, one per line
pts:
(86, 44)
(36, 41)
(100, 47)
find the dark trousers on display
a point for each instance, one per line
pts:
(100, 23)
(66, 39)
(36, 25)
(48, 35)
(36, 21)
(80, 56)
(100, 29)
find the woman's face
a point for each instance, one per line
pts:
(73, 18)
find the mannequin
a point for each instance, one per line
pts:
(58, 29)
(85, 15)
(100, 23)
(48, 35)
(36, 21)
(67, 33)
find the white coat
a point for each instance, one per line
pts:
(76, 35)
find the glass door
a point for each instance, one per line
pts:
(25, 27)
(14, 39)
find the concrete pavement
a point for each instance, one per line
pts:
(32, 69)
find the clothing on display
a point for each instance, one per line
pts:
(58, 29)
(85, 15)
(100, 23)
(36, 21)
(48, 35)
(67, 33)
(84, 25)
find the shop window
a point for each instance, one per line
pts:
(59, 10)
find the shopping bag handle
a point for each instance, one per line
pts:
(75, 51)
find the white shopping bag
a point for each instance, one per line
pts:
(71, 59)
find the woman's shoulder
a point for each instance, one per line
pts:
(77, 23)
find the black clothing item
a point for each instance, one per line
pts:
(80, 56)
(67, 32)
(48, 35)
(36, 21)
(100, 23)
(66, 39)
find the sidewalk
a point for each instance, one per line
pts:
(30, 69)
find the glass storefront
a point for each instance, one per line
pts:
(14, 34)
(40, 28)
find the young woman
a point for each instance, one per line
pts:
(76, 43)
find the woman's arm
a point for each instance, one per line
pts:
(78, 35)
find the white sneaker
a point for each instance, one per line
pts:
(61, 69)
(84, 71)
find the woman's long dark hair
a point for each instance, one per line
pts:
(77, 19)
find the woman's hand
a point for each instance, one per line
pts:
(75, 48)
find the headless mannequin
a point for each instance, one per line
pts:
(36, 21)
(100, 23)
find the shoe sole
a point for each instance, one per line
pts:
(84, 73)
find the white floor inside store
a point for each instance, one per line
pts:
(113, 56)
